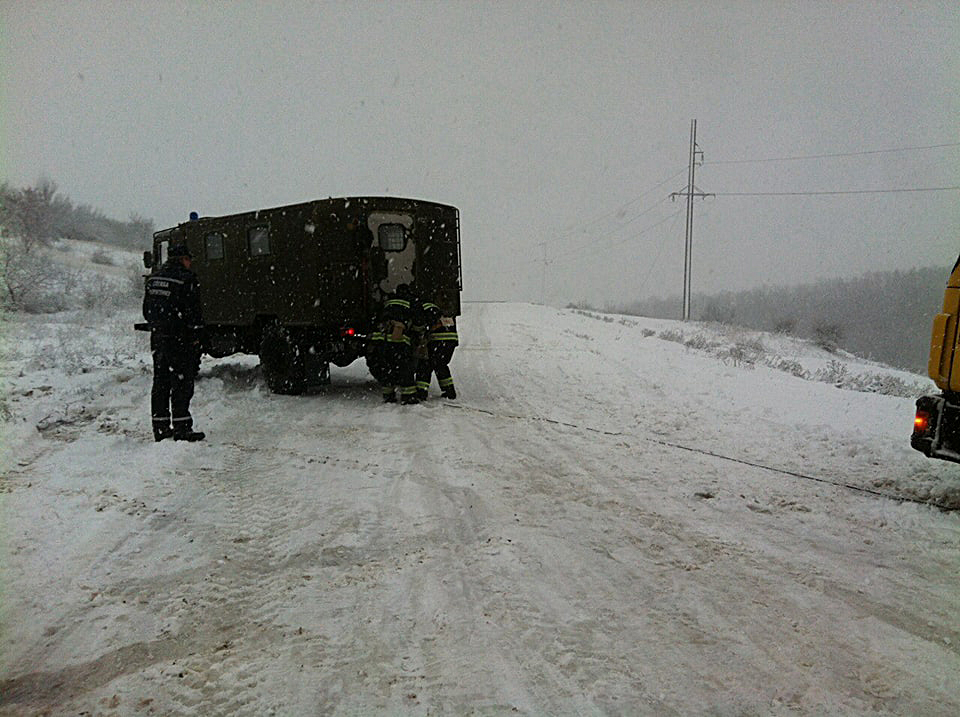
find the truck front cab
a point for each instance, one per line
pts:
(161, 245)
(936, 425)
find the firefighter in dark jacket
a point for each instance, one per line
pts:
(441, 339)
(390, 355)
(171, 306)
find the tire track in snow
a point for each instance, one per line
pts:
(217, 620)
(258, 507)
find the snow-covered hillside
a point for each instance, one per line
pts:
(617, 516)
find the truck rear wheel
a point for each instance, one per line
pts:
(282, 361)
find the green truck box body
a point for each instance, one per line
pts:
(316, 272)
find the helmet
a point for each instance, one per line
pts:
(179, 250)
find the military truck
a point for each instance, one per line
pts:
(936, 424)
(302, 285)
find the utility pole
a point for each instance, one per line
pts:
(690, 192)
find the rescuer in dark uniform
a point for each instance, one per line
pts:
(441, 339)
(417, 332)
(171, 306)
(391, 352)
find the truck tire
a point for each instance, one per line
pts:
(282, 361)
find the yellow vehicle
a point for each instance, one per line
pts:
(936, 426)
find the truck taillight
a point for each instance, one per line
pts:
(921, 422)
(348, 332)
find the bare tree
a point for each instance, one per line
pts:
(9, 201)
(141, 229)
(31, 282)
(41, 212)
(35, 215)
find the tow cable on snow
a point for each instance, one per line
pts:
(839, 484)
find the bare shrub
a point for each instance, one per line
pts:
(834, 372)
(718, 312)
(94, 293)
(827, 336)
(113, 345)
(786, 325)
(701, 342)
(753, 346)
(671, 335)
(31, 282)
(102, 257)
(746, 352)
(135, 281)
(99, 294)
(789, 366)
(840, 376)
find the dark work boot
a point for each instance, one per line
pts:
(449, 392)
(161, 429)
(191, 436)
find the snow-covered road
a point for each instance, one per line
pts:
(543, 545)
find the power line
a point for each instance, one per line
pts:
(835, 154)
(642, 286)
(848, 191)
(567, 233)
(647, 229)
(607, 242)
(580, 247)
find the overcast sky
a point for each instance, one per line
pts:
(558, 129)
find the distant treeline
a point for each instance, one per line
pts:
(884, 316)
(40, 214)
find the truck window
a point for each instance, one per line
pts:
(258, 240)
(393, 237)
(213, 245)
